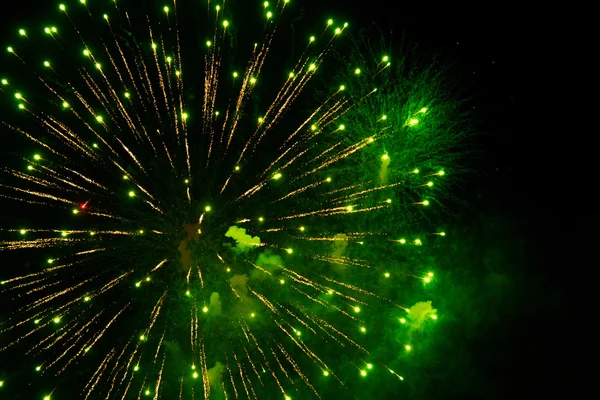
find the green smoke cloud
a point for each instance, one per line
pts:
(244, 241)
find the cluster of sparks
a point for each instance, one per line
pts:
(127, 106)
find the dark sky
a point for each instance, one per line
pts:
(536, 346)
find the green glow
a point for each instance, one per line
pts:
(131, 193)
(329, 22)
(207, 208)
(22, 231)
(302, 228)
(423, 110)
(142, 337)
(363, 329)
(50, 261)
(289, 251)
(363, 372)
(22, 32)
(427, 280)
(225, 24)
(441, 173)
(385, 157)
(325, 373)
(385, 59)
(342, 127)
(370, 366)
(38, 368)
(1, 383)
(434, 317)
(387, 274)
(136, 368)
(426, 202)
(147, 392)
(166, 9)
(356, 309)
(56, 320)
(10, 49)
(261, 219)
(413, 122)
(205, 309)
(408, 347)
(402, 320)
(4, 82)
(277, 176)
(195, 375)
(357, 71)
(86, 298)
(65, 104)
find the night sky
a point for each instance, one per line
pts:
(518, 332)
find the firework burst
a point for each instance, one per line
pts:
(192, 221)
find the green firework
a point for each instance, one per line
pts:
(186, 221)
